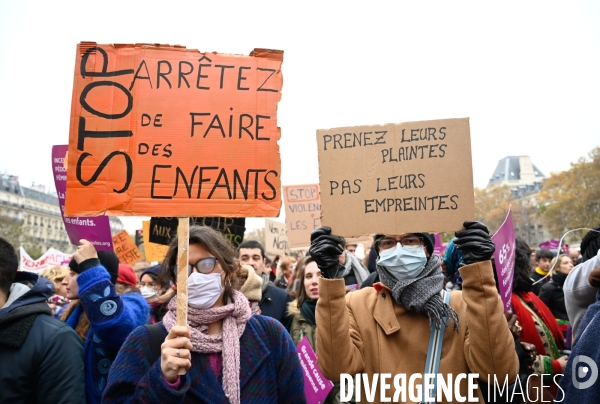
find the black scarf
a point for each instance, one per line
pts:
(308, 310)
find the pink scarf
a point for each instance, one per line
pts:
(235, 315)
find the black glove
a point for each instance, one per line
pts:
(474, 243)
(326, 250)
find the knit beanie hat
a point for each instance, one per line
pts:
(127, 275)
(153, 270)
(108, 259)
(428, 239)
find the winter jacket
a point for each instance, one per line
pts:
(587, 350)
(579, 294)
(274, 303)
(302, 328)
(112, 317)
(536, 275)
(270, 371)
(41, 358)
(553, 296)
(368, 332)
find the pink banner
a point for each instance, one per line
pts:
(504, 257)
(316, 386)
(96, 230)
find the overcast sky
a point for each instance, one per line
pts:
(525, 73)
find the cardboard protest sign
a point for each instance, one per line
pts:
(302, 213)
(50, 258)
(316, 386)
(126, 249)
(396, 178)
(153, 251)
(96, 230)
(157, 128)
(162, 229)
(276, 240)
(504, 256)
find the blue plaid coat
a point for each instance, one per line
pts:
(270, 371)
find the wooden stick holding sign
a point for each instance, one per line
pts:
(183, 239)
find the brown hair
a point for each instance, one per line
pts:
(83, 324)
(302, 296)
(216, 245)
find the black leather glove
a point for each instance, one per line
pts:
(474, 243)
(326, 250)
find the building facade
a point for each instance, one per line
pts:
(525, 181)
(38, 213)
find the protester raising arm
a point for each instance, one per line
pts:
(387, 328)
(107, 316)
(489, 346)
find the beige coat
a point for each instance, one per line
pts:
(368, 332)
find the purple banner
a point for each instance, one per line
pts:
(549, 245)
(504, 239)
(316, 387)
(94, 229)
(439, 247)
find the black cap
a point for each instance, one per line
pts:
(108, 259)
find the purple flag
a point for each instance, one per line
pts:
(94, 229)
(316, 387)
(504, 239)
(439, 247)
(549, 245)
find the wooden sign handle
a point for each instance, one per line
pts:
(183, 237)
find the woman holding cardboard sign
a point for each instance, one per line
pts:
(407, 324)
(229, 355)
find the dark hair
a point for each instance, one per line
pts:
(216, 245)
(590, 244)
(301, 289)
(268, 261)
(543, 254)
(252, 244)
(9, 264)
(522, 281)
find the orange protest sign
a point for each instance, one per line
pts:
(153, 251)
(126, 249)
(162, 130)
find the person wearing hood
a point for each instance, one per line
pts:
(41, 357)
(387, 328)
(580, 385)
(155, 294)
(101, 317)
(579, 294)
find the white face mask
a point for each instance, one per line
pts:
(203, 290)
(403, 262)
(147, 292)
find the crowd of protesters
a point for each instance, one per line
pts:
(97, 331)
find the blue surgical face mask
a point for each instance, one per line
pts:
(403, 262)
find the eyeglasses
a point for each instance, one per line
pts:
(388, 242)
(204, 266)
